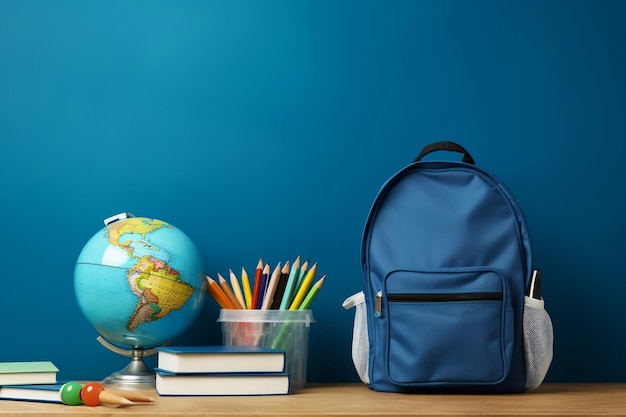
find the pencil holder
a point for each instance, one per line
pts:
(287, 330)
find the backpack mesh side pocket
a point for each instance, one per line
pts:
(360, 340)
(538, 341)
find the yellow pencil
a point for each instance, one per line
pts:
(312, 294)
(247, 291)
(236, 288)
(304, 288)
(228, 292)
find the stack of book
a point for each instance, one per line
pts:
(221, 370)
(32, 381)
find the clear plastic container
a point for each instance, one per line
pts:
(287, 330)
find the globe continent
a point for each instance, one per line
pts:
(139, 282)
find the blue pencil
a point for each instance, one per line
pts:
(265, 277)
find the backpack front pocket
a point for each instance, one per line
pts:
(447, 327)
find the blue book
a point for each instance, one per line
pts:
(220, 359)
(209, 384)
(34, 392)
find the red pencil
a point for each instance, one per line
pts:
(258, 276)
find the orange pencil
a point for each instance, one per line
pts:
(258, 276)
(218, 295)
(228, 292)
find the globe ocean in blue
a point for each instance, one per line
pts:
(139, 282)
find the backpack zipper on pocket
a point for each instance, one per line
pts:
(433, 297)
(378, 304)
(443, 297)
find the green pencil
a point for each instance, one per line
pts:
(291, 288)
(306, 303)
(279, 341)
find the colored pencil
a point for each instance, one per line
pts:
(303, 270)
(291, 283)
(271, 288)
(131, 395)
(315, 289)
(246, 288)
(280, 288)
(265, 278)
(224, 286)
(107, 397)
(258, 275)
(304, 288)
(218, 295)
(236, 288)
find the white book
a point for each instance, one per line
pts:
(220, 359)
(36, 392)
(222, 384)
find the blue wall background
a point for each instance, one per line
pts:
(266, 129)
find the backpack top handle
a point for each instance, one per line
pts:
(445, 146)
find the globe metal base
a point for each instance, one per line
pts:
(136, 375)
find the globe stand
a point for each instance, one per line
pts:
(136, 375)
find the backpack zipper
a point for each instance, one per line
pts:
(433, 298)
(445, 297)
(378, 304)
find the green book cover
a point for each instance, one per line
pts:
(34, 372)
(27, 367)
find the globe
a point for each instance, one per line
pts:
(139, 281)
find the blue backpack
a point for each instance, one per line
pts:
(447, 269)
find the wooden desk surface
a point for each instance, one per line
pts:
(347, 400)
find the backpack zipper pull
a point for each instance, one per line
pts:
(378, 304)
